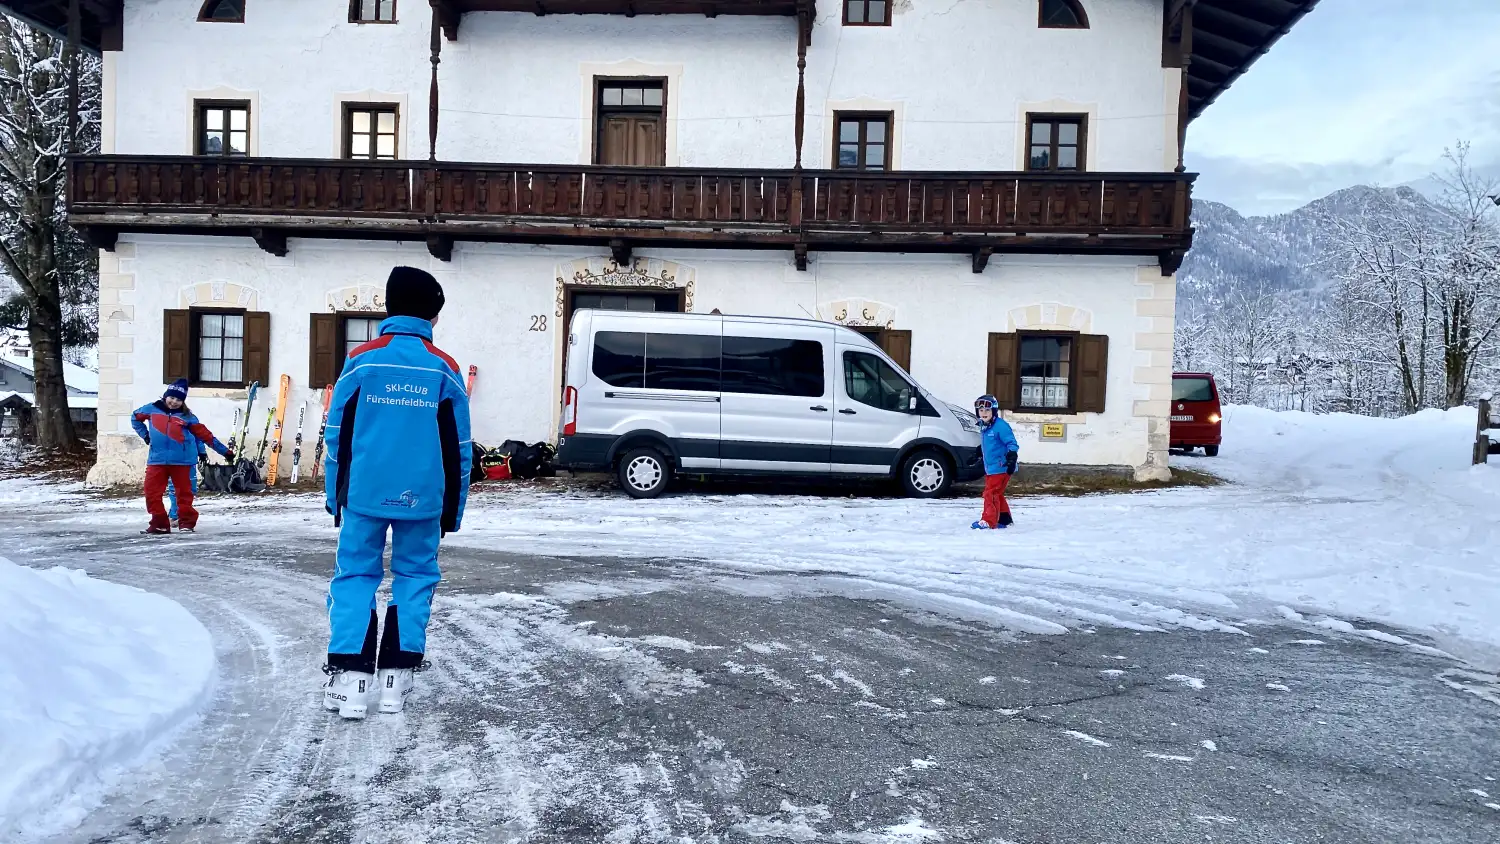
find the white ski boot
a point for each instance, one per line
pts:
(395, 685)
(351, 693)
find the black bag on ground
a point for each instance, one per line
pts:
(476, 466)
(246, 478)
(214, 477)
(531, 461)
(525, 461)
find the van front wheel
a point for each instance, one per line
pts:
(926, 474)
(643, 473)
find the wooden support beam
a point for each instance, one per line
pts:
(432, 93)
(804, 40)
(1184, 105)
(100, 237)
(982, 258)
(448, 18)
(619, 250)
(271, 240)
(1171, 261)
(799, 256)
(440, 246)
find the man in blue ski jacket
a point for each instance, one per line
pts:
(398, 459)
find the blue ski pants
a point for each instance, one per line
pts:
(360, 568)
(172, 492)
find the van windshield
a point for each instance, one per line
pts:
(1192, 389)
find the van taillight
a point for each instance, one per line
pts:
(570, 411)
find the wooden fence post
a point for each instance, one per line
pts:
(1482, 446)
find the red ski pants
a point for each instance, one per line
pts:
(996, 508)
(156, 487)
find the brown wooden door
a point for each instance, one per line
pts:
(631, 140)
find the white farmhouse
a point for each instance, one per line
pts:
(991, 188)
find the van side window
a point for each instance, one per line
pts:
(682, 362)
(620, 358)
(657, 361)
(871, 381)
(774, 367)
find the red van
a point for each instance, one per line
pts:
(1196, 415)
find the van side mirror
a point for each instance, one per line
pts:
(911, 405)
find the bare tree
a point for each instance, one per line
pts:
(41, 78)
(1383, 259)
(1249, 327)
(1466, 281)
(1190, 341)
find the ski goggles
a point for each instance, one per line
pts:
(983, 404)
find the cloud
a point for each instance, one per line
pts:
(1360, 92)
(1257, 186)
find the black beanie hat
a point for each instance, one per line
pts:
(414, 293)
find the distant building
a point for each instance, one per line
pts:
(18, 391)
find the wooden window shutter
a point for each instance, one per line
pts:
(323, 363)
(177, 346)
(897, 344)
(258, 347)
(1093, 372)
(1003, 382)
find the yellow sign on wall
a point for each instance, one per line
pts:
(1054, 431)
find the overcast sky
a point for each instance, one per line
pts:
(1360, 92)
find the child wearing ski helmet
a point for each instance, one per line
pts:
(998, 442)
(173, 434)
(398, 460)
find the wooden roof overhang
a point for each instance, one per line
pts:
(1218, 40)
(101, 21)
(449, 13)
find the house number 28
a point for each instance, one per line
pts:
(539, 322)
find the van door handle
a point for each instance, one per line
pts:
(819, 408)
(848, 412)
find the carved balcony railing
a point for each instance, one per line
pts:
(1110, 213)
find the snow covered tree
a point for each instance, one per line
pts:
(1249, 326)
(1383, 255)
(55, 270)
(1465, 282)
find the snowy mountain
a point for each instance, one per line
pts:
(1284, 251)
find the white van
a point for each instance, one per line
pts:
(649, 394)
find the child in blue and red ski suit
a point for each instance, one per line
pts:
(1001, 451)
(174, 434)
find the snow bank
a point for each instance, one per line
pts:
(93, 675)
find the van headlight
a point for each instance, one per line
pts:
(967, 420)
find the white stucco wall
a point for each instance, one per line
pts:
(495, 291)
(961, 75)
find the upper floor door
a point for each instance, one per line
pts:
(631, 119)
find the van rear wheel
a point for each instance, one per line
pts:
(926, 474)
(1211, 450)
(643, 473)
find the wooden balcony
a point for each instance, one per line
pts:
(622, 208)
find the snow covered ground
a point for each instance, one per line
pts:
(1374, 520)
(1330, 520)
(95, 676)
(1366, 526)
